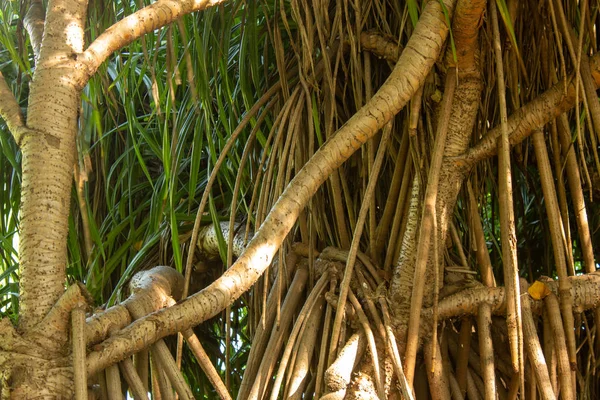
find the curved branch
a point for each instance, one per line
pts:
(208, 243)
(10, 111)
(149, 289)
(532, 116)
(59, 318)
(421, 52)
(34, 24)
(381, 45)
(585, 291)
(134, 26)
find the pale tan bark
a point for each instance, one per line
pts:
(44, 352)
(134, 26)
(113, 382)
(52, 333)
(10, 111)
(208, 243)
(401, 286)
(585, 291)
(48, 148)
(48, 142)
(99, 325)
(373, 360)
(394, 353)
(532, 116)
(393, 201)
(150, 289)
(47, 344)
(49, 373)
(352, 253)
(338, 375)
(34, 23)
(142, 365)
(164, 358)
(222, 293)
(550, 354)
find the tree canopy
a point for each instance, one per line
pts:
(407, 163)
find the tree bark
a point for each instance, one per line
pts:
(48, 148)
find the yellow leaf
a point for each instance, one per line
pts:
(538, 290)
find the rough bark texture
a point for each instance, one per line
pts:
(48, 148)
(401, 287)
(543, 109)
(585, 290)
(461, 123)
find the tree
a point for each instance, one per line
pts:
(364, 138)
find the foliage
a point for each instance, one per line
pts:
(158, 114)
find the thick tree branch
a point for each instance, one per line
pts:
(34, 23)
(421, 52)
(10, 111)
(380, 45)
(148, 289)
(134, 26)
(530, 117)
(585, 291)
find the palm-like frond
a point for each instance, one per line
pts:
(159, 114)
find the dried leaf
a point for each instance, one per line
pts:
(538, 290)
